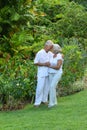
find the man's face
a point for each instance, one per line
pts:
(48, 48)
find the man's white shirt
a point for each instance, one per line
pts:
(42, 56)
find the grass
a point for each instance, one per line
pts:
(70, 114)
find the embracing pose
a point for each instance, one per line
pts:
(55, 73)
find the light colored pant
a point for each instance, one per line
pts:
(53, 80)
(42, 90)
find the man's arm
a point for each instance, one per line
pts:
(43, 64)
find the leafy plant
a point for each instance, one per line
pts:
(73, 69)
(20, 80)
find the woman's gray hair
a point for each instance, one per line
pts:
(49, 43)
(56, 48)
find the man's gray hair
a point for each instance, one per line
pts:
(56, 48)
(49, 43)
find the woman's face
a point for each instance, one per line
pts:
(54, 51)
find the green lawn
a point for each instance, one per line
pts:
(70, 114)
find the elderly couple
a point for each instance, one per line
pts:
(49, 61)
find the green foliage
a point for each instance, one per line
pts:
(17, 80)
(74, 22)
(39, 22)
(74, 65)
(24, 28)
(82, 2)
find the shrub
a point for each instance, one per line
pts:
(17, 80)
(74, 65)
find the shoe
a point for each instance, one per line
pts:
(49, 106)
(45, 103)
(36, 106)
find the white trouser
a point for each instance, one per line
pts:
(53, 80)
(42, 90)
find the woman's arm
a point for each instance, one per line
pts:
(57, 67)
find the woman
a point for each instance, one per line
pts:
(55, 73)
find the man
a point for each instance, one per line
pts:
(42, 61)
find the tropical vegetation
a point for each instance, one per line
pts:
(25, 25)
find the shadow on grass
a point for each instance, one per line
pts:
(42, 107)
